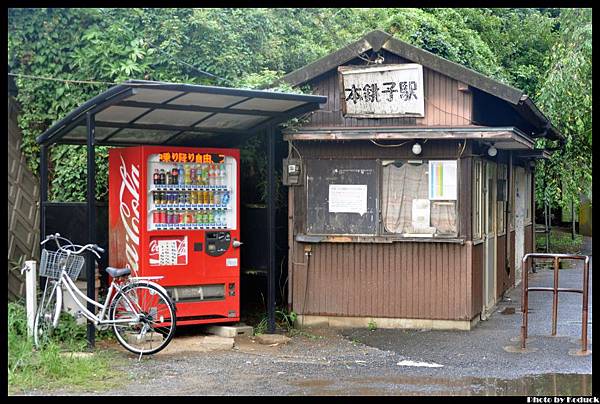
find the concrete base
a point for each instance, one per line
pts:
(383, 322)
(231, 331)
(215, 343)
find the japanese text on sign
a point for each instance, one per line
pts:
(383, 91)
(174, 157)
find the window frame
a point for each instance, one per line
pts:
(501, 174)
(477, 218)
(382, 230)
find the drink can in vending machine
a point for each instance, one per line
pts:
(217, 197)
(162, 217)
(193, 175)
(156, 217)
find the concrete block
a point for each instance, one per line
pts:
(230, 331)
(270, 339)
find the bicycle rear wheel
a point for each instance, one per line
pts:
(48, 313)
(144, 318)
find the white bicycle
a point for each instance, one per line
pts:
(139, 310)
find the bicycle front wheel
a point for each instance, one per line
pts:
(47, 313)
(143, 318)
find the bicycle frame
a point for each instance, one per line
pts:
(97, 320)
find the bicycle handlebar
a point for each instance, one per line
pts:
(73, 248)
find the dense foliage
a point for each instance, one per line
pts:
(566, 97)
(251, 48)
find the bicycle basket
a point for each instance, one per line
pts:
(53, 262)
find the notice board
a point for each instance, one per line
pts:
(341, 197)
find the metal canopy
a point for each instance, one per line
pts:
(157, 113)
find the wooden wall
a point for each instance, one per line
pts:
(445, 104)
(23, 211)
(424, 280)
(400, 280)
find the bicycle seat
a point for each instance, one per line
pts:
(117, 272)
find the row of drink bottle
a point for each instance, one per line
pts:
(217, 218)
(217, 197)
(191, 174)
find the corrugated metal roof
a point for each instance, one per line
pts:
(158, 113)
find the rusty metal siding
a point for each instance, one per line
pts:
(445, 104)
(399, 280)
(528, 239)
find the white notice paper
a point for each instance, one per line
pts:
(167, 252)
(420, 215)
(348, 198)
(443, 181)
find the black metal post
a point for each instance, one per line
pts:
(91, 211)
(270, 133)
(43, 199)
(43, 188)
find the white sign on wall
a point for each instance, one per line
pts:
(348, 198)
(384, 91)
(443, 180)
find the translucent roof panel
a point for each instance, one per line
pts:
(231, 121)
(152, 112)
(119, 114)
(80, 133)
(212, 100)
(170, 117)
(267, 105)
(142, 136)
(150, 95)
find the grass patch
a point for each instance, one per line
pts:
(49, 368)
(559, 243)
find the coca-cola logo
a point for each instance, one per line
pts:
(129, 203)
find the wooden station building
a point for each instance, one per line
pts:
(410, 191)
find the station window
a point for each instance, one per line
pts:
(419, 197)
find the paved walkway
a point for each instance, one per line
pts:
(481, 350)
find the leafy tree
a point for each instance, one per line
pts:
(233, 47)
(566, 97)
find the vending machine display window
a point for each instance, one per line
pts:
(191, 191)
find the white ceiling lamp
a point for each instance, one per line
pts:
(492, 151)
(416, 149)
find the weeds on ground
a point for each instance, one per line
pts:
(284, 320)
(559, 243)
(49, 367)
(372, 325)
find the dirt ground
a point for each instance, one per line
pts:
(330, 361)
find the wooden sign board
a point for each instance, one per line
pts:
(383, 91)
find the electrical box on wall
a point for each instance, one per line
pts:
(292, 171)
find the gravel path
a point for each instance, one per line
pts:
(363, 362)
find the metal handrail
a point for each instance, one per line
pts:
(555, 289)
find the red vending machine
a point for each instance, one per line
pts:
(174, 212)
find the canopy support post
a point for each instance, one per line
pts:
(271, 201)
(90, 120)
